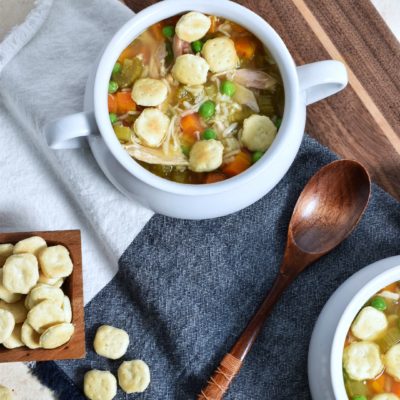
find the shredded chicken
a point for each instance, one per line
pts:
(230, 129)
(231, 145)
(174, 135)
(123, 116)
(187, 105)
(167, 140)
(215, 78)
(228, 157)
(180, 47)
(196, 91)
(225, 29)
(224, 107)
(218, 126)
(228, 74)
(246, 97)
(191, 110)
(156, 156)
(252, 78)
(145, 71)
(157, 62)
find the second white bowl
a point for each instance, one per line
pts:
(325, 372)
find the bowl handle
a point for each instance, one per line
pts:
(70, 132)
(321, 79)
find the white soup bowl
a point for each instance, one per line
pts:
(302, 85)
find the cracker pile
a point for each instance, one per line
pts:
(34, 311)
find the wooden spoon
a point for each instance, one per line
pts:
(328, 209)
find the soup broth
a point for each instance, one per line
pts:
(196, 99)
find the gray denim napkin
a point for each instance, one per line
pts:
(185, 290)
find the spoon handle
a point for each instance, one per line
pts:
(230, 365)
(220, 380)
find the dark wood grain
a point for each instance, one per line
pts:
(328, 209)
(72, 287)
(363, 121)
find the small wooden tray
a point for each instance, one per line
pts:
(72, 287)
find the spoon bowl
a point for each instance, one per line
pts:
(328, 209)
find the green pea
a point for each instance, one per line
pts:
(209, 134)
(278, 122)
(112, 87)
(113, 118)
(379, 303)
(185, 150)
(168, 31)
(228, 88)
(197, 45)
(256, 156)
(359, 397)
(207, 109)
(117, 68)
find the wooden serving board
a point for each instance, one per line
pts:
(72, 287)
(363, 121)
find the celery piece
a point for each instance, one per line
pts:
(356, 388)
(131, 70)
(389, 339)
(123, 133)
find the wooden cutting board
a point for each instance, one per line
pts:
(363, 121)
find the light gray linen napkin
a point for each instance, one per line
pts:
(44, 65)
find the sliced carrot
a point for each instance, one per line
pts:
(192, 123)
(237, 28)
(378, 385)
(191, 126)
(245, 47)
(134, 49)
(112, 104)
(156, 31)
(347, 341)
(391, 288)
(125, 102)
(129, 52)
(396, 387)
(240, 163)
(213, 177)
(172, 20)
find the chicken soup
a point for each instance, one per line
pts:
(196, 99)
(371, 356)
